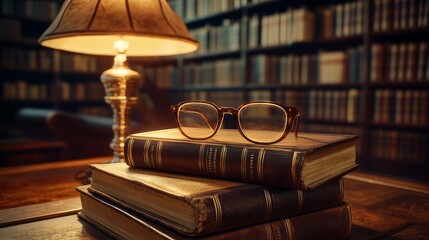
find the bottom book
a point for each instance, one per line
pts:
(330, 223)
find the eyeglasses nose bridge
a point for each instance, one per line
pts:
(228, 110)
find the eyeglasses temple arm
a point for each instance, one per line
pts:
(297, 125)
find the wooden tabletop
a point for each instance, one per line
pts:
(34, 197)
(31, 184)
(386, 208)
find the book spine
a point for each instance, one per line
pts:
(229, 208)
(298, 227)
(275, 167)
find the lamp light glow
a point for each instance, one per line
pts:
(133, 28)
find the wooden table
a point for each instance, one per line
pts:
(40, 202)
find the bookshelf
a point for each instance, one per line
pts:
(356, 66)
(398, 87)
(34, 76)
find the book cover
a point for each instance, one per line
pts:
(377, 53)
(359, 19)
(377, 16)
(330, 223)
(327, 23)
(304, 162)
(339, 18)
(253, 32)
(411, 62)
(332, 67)
(346, 19)
(198, 206)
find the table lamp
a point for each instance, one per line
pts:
(119, 28)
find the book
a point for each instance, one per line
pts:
(339, 20)
(404, 147)
(329, 223)
(197, 206)
(376, 69)
(332, 67)
(403, 107)
(327, 23)
(303, 163)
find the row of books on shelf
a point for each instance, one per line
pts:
(191, 9)
(218, 38)
(330, 105)
(409, 148)
(305, 25)
(194, 9)
(219, 73)
(163, 76)
(221, 98)
(408, 107)
(170, 187)
(31, 9)
(21, 90)
(13, 58)
(394, 15)
(322, 68)
(400, 62)
(281, 28)
(61, 90)
(293, 25)
(340, 20)
(81, 91)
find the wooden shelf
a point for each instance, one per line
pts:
(309, 47)
(333, 122)
(399, 85)
(417, 33)
(212, 88)
(211, 56)
(302, 87)
(216, 17)
(400, 127)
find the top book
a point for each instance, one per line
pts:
(304, 162)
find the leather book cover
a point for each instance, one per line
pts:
(197, 206)
(123, 223)
(304, 162)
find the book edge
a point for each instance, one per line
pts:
(150, 135)
(147, 214)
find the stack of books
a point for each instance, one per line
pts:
(171, 187)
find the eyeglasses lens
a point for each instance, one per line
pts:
(198, 120)
(262, 122)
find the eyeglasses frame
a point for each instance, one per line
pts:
(292, 113)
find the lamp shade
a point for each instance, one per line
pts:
(150, 27)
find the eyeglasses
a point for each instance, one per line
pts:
(258, 122)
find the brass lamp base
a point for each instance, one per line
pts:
(122, 88)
